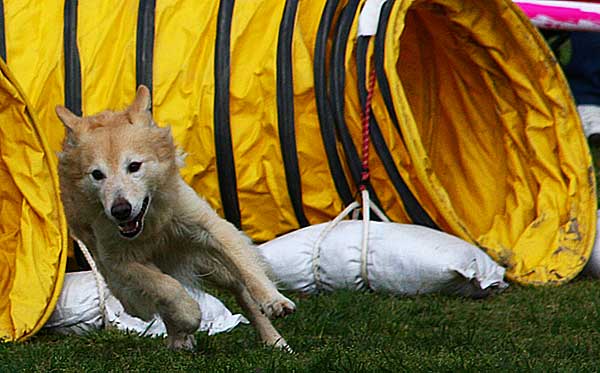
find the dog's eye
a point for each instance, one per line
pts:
(98, 175)
(134, 167)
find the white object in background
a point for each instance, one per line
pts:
(590, 119)
(78, 311)
(369, 17)
(592, 268)
(562, 15)
(402, 259)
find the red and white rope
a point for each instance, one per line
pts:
(367, 206)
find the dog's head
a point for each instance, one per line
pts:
(117, 162)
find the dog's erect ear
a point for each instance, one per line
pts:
(142, 100)
(69, 119)
(139, 110)
(72, 124)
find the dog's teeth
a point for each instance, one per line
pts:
(129, 227)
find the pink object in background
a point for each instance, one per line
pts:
(562, 15)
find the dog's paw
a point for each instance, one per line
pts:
(182, 342)
(278, 307)
(283, 346)
(273, 339)
(184, 316)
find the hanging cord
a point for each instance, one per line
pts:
(366, 202)
(100, 284)
(365, 176)
(366, 130)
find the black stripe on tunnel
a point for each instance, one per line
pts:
(144, 56)
(384, 85)
(414, 210)
(326, 119)
(285, 110)
(72, 62)
(72, 83)
(2, 32)
(222, 125)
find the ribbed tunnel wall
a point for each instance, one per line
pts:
(473, 129)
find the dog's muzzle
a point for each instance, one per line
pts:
(132, 228)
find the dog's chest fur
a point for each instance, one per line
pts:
(166, 242)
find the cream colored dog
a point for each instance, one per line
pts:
(149, 232)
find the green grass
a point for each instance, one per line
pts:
(522, 329)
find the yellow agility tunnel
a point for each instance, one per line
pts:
(474, 130)
(33, 230)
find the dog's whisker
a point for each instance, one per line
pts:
(201, 275)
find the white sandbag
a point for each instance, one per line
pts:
(592, 268)
(216, 318)
(402, 259)
(78, 311)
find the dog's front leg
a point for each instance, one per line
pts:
(234, 251)
(179, 311)
(267, 332)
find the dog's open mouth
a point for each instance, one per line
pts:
(134, 227)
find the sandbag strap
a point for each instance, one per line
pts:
(364, 247)
(316, 257)
(367, 206)
(100, 283)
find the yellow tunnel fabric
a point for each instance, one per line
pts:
(33, 229)
(500, 145)
(474, 129)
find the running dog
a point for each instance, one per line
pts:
(149, 232)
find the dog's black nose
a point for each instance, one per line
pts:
(121, 209)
